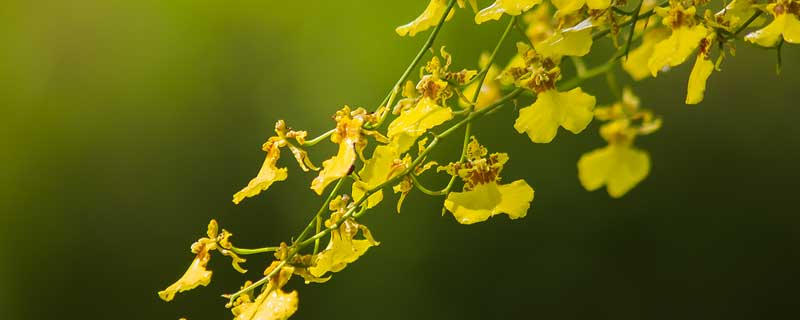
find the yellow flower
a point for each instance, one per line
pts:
(786, 24)
(342, 248)
(619, 165)
(348, 136)
(272, 304)
(196, 275)
(685, 37)
(703, 66)
(483, 196)
(571, 110)
(509, 7)
(429, 18)
(636, 64)
(414, 122)
(569, 6)
(376, 171)
(268, 174)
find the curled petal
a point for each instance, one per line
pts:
(268, 174)
(195, 276)
(486, 200)
(675, 49)
(702, 69)
(509, 7)
(571, 110)
(429, 18)
(348, 136)
(784, 25)
(618, 166)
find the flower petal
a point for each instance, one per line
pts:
(417, 120)
(509, 7)
(571, 110)
(568, 6)
(598, 4)
(791, 31)
(268, 174)
(636, 64)
(376, 171)
(195, 276)
(769, 35)
(270, 305)
(342, 250)
(675, 49)
(429, 18)
(576, 43)
(619, 167)
(697, 79)
(489, 199)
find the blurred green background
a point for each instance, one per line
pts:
(126, 125)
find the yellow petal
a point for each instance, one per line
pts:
(270, 305)
(268, 174)
(417, 120)
(342, 250)
(348, 136)
(576, 43)
(791, 31)
(619, 167)
(509, 7)
(429, 18)
(490, 199)
(636, 64)
(769, 35)
(195, 276)
(675, 49)
(697, 79)
(571, 110)
(376, 171)
(598, 4)
(568, 6)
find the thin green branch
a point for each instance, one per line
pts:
(633, 27)
(321, 210)
(747, 23)
(243, 251)
(312, 142)
(387, 101)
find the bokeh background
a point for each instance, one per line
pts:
(126, 125)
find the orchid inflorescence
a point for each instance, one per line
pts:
(667, 34)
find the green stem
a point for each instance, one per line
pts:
(387, 101)
(312, 142)
(633, 27)
(747, 23)
(322, 209)
(243, 251)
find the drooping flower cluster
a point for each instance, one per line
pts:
(376, 150)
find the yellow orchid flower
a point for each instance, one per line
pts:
(619, 166)
(571, 110)
(349, 138)
(483, 195)
(268, 174)
(376, 171)
(414, 122)
(703, 66)
(196, 275)
(509, 7)
(272, 304)
(429, 18)
(342, 248)
(552, 41)
(786, 24)
(636, 63)
(569, 6)
(686, 36)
